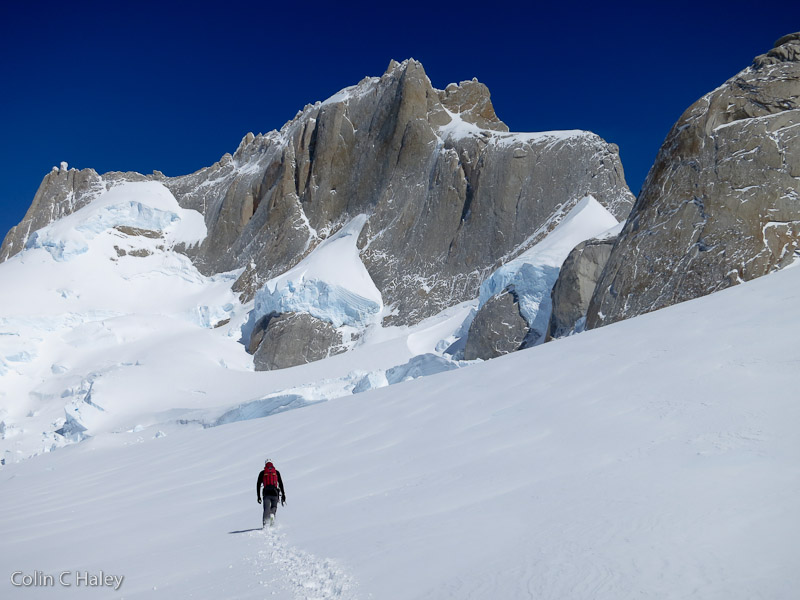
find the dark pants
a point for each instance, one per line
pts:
(270, 507)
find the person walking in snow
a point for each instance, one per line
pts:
(270, 479)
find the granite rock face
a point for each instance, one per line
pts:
(721, 204)
(497, 329)
(448, 192)
(470, 100)
(454, 187)
(576, 283)
(292, 339)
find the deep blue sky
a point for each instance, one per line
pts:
(173, 86)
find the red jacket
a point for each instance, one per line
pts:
(270, 490)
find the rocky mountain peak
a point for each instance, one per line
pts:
(471, 99)
(395, 65)
(62, 191)
(445, 192)
(786, 49)
(721, 204)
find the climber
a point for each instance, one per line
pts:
(270, 479)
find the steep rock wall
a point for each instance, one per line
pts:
(721, 204)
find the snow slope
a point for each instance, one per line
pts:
(654, 458)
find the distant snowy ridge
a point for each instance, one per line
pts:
(146, 205)
(442, 191)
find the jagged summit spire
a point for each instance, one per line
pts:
(785, 50)
(394, 65)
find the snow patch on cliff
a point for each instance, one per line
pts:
(331, 284)
(142, 205)
(532, 275)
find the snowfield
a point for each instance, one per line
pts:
(654, 458)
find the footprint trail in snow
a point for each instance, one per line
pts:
(305, 575)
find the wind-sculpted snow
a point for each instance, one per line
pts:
(459, 128)
(332, 303)
(258, 409)
(330, 284)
